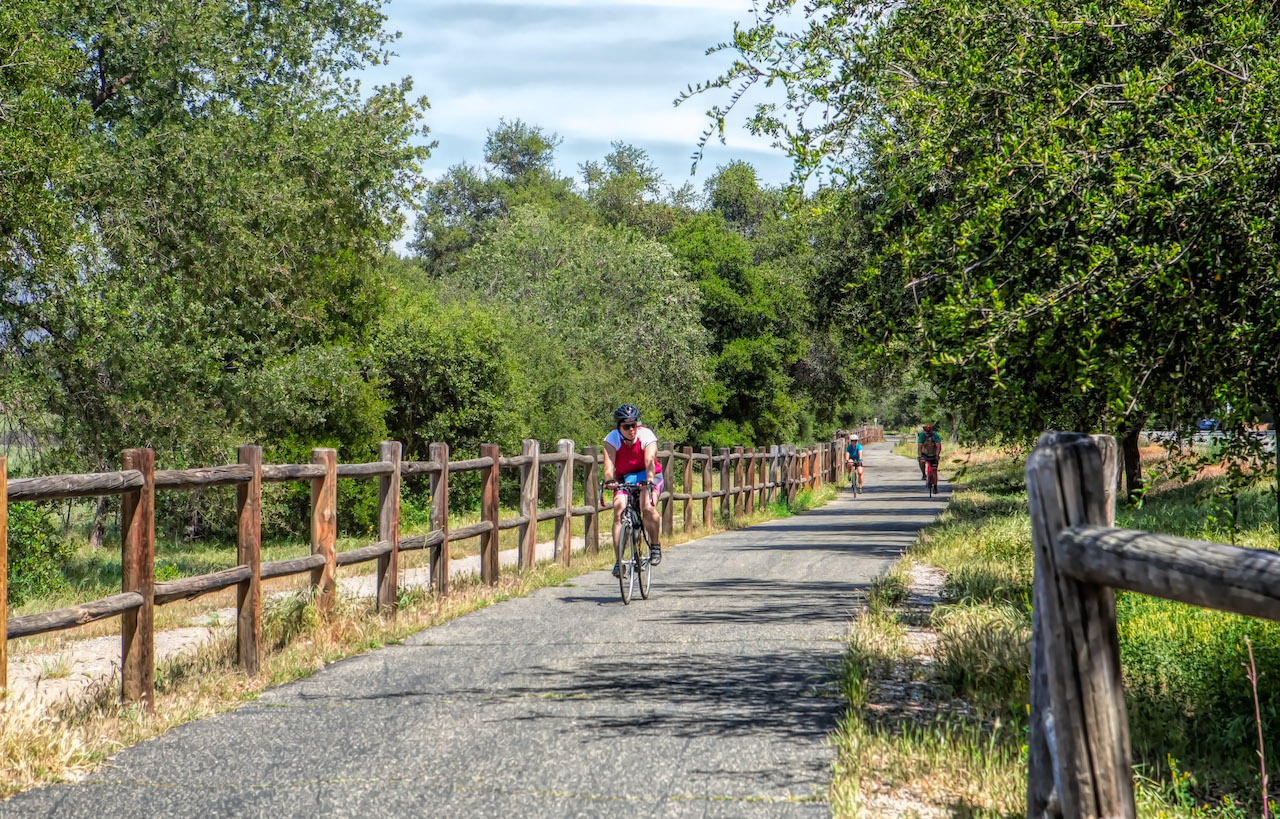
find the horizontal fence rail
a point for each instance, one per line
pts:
(747, 477)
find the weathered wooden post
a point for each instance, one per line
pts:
(707, 485)
(793, 473)
(528, 530)
(591, 496)
(4, 574)
(737, 481)
(564, 501)
(725, 498)
(666, 452)
(1078, 749)
(489, 512)
(688, 489)
(324, 529)
(137, 574)
(249, 553)
(440, 518)
(389, 527)
(749, 486)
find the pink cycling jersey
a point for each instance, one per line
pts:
(629, 458)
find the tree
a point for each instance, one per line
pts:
(459, 210)
(617, 306)
(1079, 197)
(234, 194)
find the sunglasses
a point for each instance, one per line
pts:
(627, 426)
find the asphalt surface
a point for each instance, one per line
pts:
(714, 698)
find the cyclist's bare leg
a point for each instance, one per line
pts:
(650, 515)
(859, 474)
(619, 506)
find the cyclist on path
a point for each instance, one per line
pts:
(631, 455)
(853, 456)
(928, 449)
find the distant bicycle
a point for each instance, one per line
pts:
(931, 476)
(855, 482)
(632, 549)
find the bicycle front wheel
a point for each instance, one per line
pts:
(643, 568)
(627, 563)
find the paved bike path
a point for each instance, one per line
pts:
(712, 699)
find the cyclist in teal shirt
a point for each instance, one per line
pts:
(853, 456)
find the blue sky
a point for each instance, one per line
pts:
(593, 71)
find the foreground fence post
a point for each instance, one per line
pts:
(489, 512)
(249, 553)
(324, 529)
(749, 484)
(687, 521)
(707, 483)
(793, 473)
(528, 531)
(1078, 749)
(667, 453)
(591, 497)
(564, 501)
(4, 574)
(440, 518)
(389, 527)
(137, 574)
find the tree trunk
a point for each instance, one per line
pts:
(1132, 460)
(99, 522)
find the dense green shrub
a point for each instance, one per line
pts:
(36, 553)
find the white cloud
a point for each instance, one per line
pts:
(594, 71)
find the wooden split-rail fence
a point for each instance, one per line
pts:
(1079, 762)
(747, 476)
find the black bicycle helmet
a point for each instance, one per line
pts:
(626, 412)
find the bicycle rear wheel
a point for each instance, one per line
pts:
(643, 567)
(627, 563)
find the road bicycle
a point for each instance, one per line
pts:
(632, 549)
(931, 475)
(855, 480)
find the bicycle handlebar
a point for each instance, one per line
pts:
(620, 485)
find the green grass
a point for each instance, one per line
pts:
(1189, 703)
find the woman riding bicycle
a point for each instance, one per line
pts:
(853, 456)
(630, 456)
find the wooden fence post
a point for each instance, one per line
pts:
(137, 574)
(792, 474)
(4, 574)
(1078, 747)
(834, 473)
(440, 518)
(666, 452)
(688, 489)
(749, 486)
(564, 500)
(324, 529)
(725, 498)
(389, 527)
(707, 484)
(737, 481)
(763, 476)
(529, 503)
(591, 496)
(249, 553)
(489, 512)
